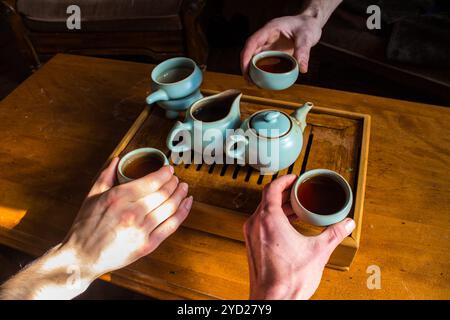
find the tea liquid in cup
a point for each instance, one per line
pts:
(174, 75)
(141, 166)
(275, 64)
(321, 197)
(211, 112)
(140, 162)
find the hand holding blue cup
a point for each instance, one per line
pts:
(273, 70)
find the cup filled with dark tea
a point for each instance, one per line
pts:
(140, 162)
(273, 70)
(321, 197)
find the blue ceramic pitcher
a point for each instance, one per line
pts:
(229, 100)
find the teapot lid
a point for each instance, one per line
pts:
(265, 122)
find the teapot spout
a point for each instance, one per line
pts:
(300, 114)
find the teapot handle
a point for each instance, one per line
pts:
(239, 152)
(183, 146)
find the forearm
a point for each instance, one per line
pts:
(320, 9)
(56, 275)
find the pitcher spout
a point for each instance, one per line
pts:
(301, 113)
(234, 96)
(230, 98)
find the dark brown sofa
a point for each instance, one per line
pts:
(158, 29)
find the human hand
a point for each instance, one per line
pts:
(295, 35)
(283, 263)
(114, 227)
(118, 225)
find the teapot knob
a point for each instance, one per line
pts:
(271, 116)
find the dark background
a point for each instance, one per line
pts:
(344, 59)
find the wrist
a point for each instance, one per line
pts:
(278, 291)
(66, 257)
(63, 274)
(291, 287)
(320, 10)
(56, 275)
(281, 292)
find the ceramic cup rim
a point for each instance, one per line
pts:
(157, 70)
(274, 53)
(320, 172)
(136, 153)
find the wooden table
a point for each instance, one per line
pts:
(59, 126)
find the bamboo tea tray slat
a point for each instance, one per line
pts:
(225, 195)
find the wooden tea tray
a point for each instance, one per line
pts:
(225, 195)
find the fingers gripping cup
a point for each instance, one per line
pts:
(140, 162)
(321, 197)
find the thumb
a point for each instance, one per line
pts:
(332, 236)
(253, 46)
(106, 179)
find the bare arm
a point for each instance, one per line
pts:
(56, 275)
(320, 9)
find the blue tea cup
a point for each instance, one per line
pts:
(321, 219)
(174, 79)
(275, 79)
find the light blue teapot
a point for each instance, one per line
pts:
(269, 140)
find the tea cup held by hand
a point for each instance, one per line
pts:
(315, 218)
(272, 80)
(166, 90)
(133, 155)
